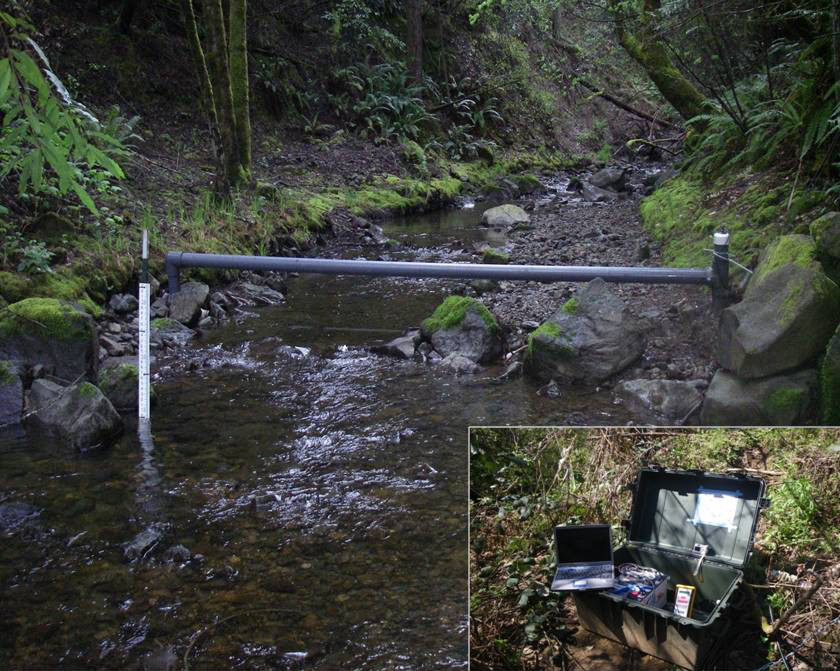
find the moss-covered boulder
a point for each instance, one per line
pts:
(185, 306)
(462, 325)
(11, 394)
(119, 384)
(779, 400)
(826, 234)
(78, 416)
(592, 337)
(504, 216)
(56, 334)
(790, 310)
(495, 256)
(830, 382)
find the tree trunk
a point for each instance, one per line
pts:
(556, 18)
(206, 86)
(127, 15)
(835, 29)
(648, 49)
(238, 59)
(414, 39)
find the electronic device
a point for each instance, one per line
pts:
(641, 583)
(684, 600)
(584, 557)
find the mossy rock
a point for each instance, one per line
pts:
(462, 325)
(51, 227)
(56, 334)
(120, 385)
(799, 250)
(63, 284)
(495, 256)
(453, 311)
(826, 234)
(830, 382)
(525, 184)
(11, 394)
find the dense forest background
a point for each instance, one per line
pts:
(234, 126)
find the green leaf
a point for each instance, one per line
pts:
(37, 161)
(5, 78)
(84, 197)
(32, 74)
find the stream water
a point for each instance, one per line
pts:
(321, 491)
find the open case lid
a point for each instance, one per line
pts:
(677, 510)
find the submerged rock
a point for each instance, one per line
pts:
(504, 216)
(119, 384)
(142, 543)
(592, 337)
(258, 294)
(14, 515)
(169, 329)
(781, 400)
(668, 400)
(79, 416)
(790, 310)
(462, 325)
(459, 364)
(402, 347)
(185, 306)
(54, 334)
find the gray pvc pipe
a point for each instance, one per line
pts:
(176, 260)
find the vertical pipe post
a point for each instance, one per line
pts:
(720, 268)
(143, 389)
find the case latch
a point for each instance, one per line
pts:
(702, 550)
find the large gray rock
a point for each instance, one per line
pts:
(780, 400)
(459, 364)
(504, 216)
(662, 400)
(826, 233)
(462, 325)
(258, 294)
(119, 383)
(594, 194)
(830, 382)
(51, 333)
(123, 303)
(185, 306)
(79, 416)
(168, 329)
(11, 395)
(789, 312)
(609, 178)
(592, 337)
(401, 348)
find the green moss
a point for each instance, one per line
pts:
(7, 376)
(14, 287)
(830, 383)
(551, 330)
(44, 316)
(164, 323)
(571, 306)
(796, 249)
(452, 311)
(783, 402)
(497, 256)
(87, 390)
(67, 284)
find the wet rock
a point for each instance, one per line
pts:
(376, 235)
(592, 337)
(512, 371)
(664, 176)
(401, 348)
(159, 308)
(504, 216)
(594, 194)
(459, 364)
(162, 659)
(52, 333)
(259, 294)
(659, 400)
(826, 233)
(143, 543)
(11, 394)
(462, 325)
(177, 554)
(169, 329)
(119, 384)
(551, 390)
(780, 400)
(114, 328)
(15, 515)
(123, 303)
(609, 178)
(185, 306)
(111, 346)
(484, 286)
(790, 310)
(79, 416)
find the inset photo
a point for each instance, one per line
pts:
(594, 549)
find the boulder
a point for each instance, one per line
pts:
(166, 328)
(459, 364)
(790, 310)
(662, 401)
(826, 234)
(52, 333)
(11, 395)
(123, 303)
(609, 178)
(592, 337)
(401, 348)
(79, 416)
(258, 294)
(830, 382)
(185, 306)
(504, 216)
(594, 194)
(119, 384)
(495, 256)
(780, 400)
(464, 326)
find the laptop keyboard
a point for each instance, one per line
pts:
(603, 571)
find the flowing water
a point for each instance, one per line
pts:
(321, 491)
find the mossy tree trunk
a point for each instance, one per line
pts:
(647, 48)
(222, 65)
(414, 39)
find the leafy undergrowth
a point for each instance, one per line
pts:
(524, 482)
(755, 207)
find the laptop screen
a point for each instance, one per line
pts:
(583, 544)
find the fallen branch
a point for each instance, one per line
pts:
(802, 600)
(623, 105)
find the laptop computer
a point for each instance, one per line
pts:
(584, 557)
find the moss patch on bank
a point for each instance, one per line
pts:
(44, 317)
(452, 312)
(684, 212)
